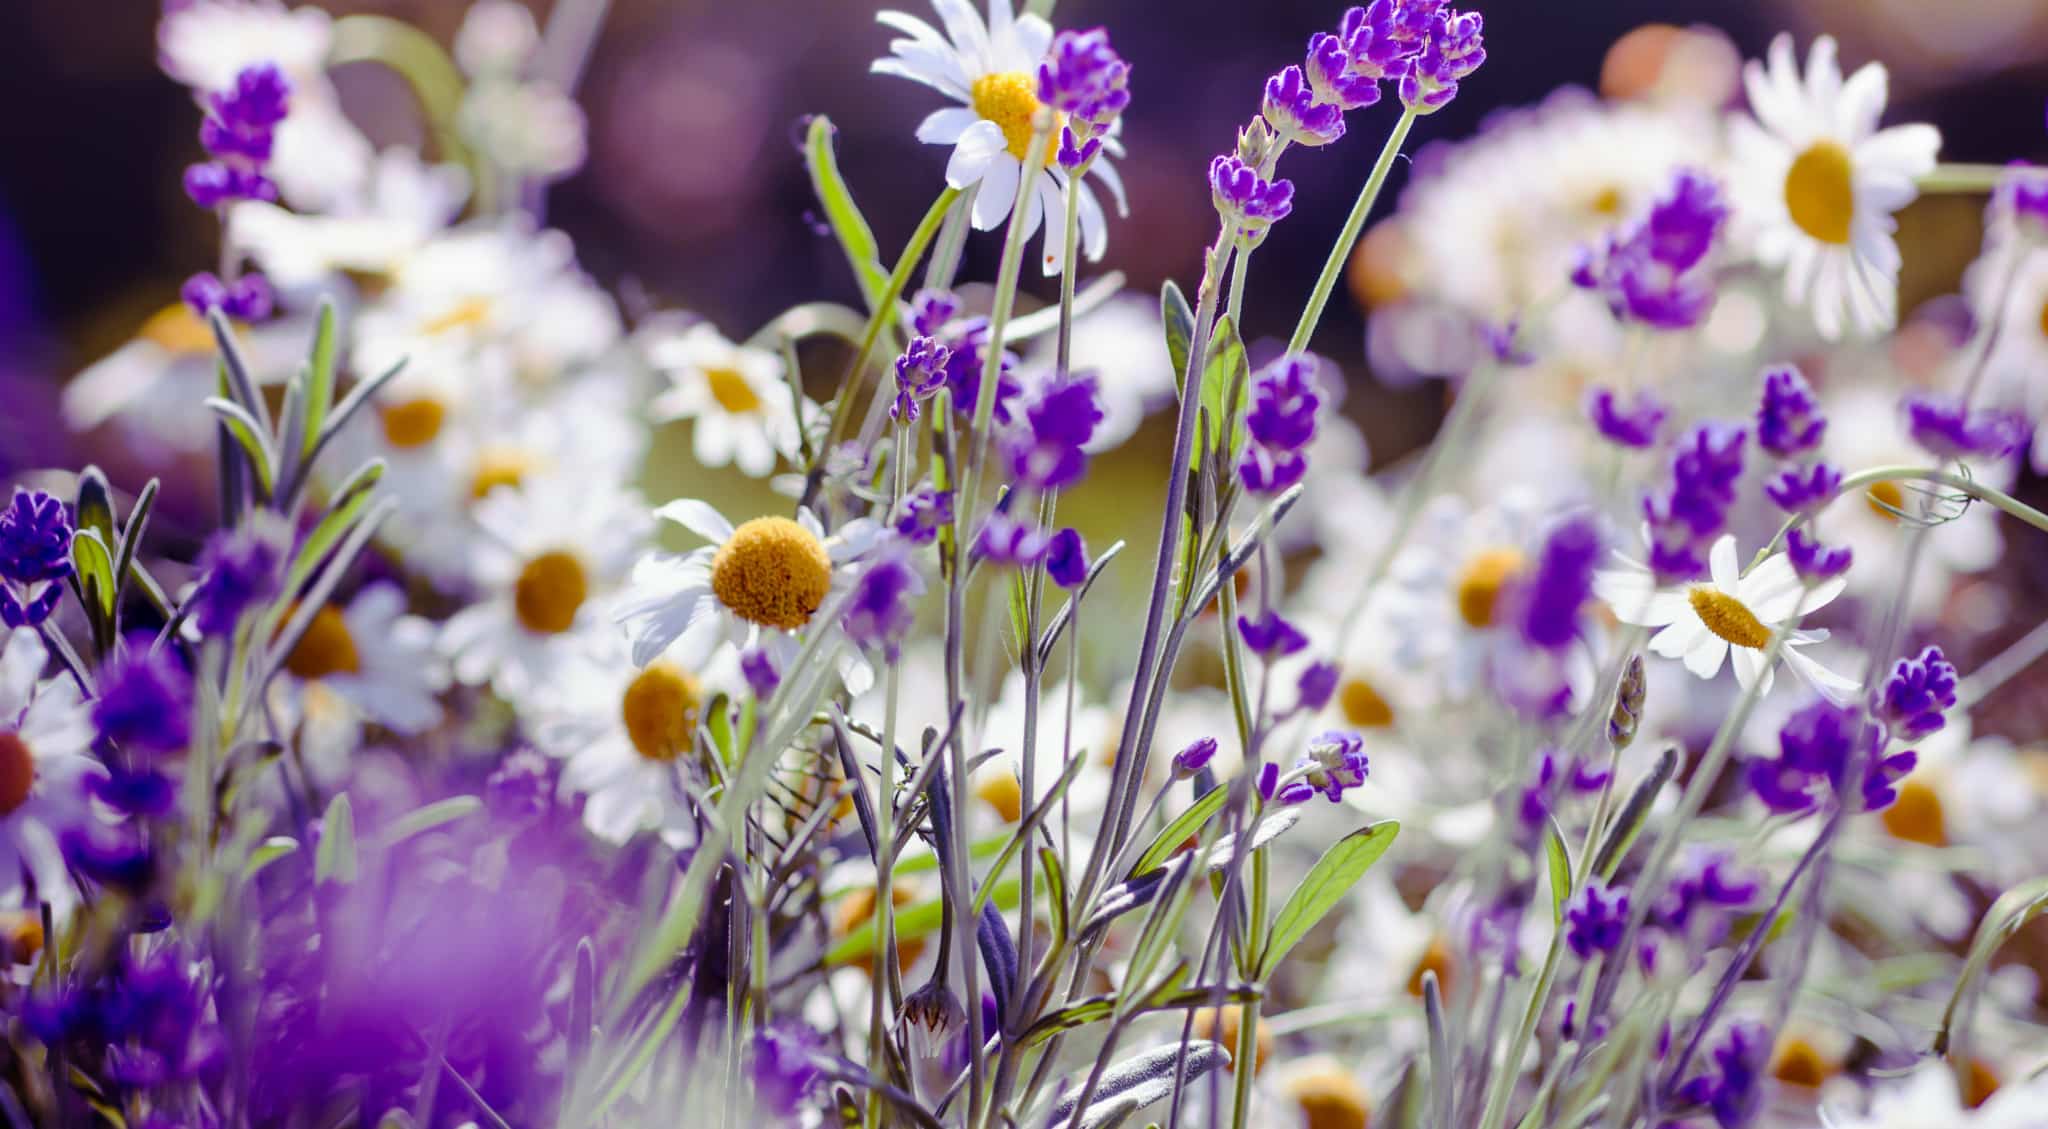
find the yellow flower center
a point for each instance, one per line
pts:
(660, 710)
(326, 648)
(1223, 1029)
(857, 908)
(499, 466)
(1329, 1097)
(1363, 706)
(17, 772)
(1436, 958)
(412, 423)
(1886, 499)
(1916, 815)
(1978, 1086)
(773, 572)
(176, 329)
(1728, 617)
(1799, 1063)
(1479, 586)
(730, 388)
(21, 935)
(1010, 99)
(2044, 319)
(549, 592)
(1606, 202)
(1820, 192)
(1002, 791)
(466, 314)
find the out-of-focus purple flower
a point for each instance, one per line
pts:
(145, 699)
(1295, 112)
(1731, 1089)
(1266, 472)
(1813, 560)
(1687, 517)
(1316, 686)
(239, 133)
(1818, 748)
(758, 667)
(522, 788)
(1804, 490)
(1066, 558)
(920, 372)
(1652, 271)
(1916, 695)
(1335, 762)
(922, 513)
(1271, 636)
(1009, 542)
(1789, 422)
(1194, 758)
(883, 604)
(212, 185)
(1453, 49)
(240, 569)
(1633, 426)
(1594, 919)
(1549, 602)
(1283, 404)
(1945, 427)
(967, 352)
(35, 555)
(259, 100)
(930, 310)
(1705, 879)
(1880, 785)
(1247, 201)
(249, 298)
(2023, 194)
(784, 1068)
(1049, 451)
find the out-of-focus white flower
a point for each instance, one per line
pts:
(736, 395)
(403, 204)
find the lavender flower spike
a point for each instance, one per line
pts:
(1247, 201)
(1634, 426)
(1453, 49)
(1917, 693)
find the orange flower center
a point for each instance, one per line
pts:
(17, 772)
(1010, 99)
(549, 592)
(1729, 617)
(413, 423)
(730, 388)
(772, 571)
(326, 648)
(1820, 192)
(660, 711)
(1886, 500)
(1916, 815)
(1363, 705)
(1479, 586)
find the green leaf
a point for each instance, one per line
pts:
(1558, 858)
(855, 237)
(335, 860)
(131, 536)
(320, 376)
(1179, 320)
(2006, 917)
(1179, 830)
(423, 819)
(267, 852)
(1020, 610)
(95, 504)
(1225, 375)
(1327, 882)
(95, 571)
(718, 720)
(250, 436)
(912, 921)
(348, 506)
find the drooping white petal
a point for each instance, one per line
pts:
(700, 518)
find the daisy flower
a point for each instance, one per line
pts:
(403, 203)
(757, 584)
(1731, 611)
(736, 395)
(1818, 183)
(1928, 1096)
(991, 69)
(549, 553)
(46, 734)
(2009, 285)
(375, 657)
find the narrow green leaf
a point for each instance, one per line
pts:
(267, 852)
(1179, 320)
(1225, 375)
(131, 537)
(423, 819)
(320, 376)
(348, 506)
(95, 505)
(250, 436)
(2006, 917)
(912, 921)
(1327, 882)
(1177, 831)
(95, 571)
(350, 404)
(1558, 858)
(335, 860)
(851, 228)
(1055, 890)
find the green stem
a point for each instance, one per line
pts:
(1354, 224)
(998, 324)
(1874, 475)
(1962, 179)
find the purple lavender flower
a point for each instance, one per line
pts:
(1271, 636)
(212, 185)
(1083, 77)
(922, 513)
(1817, 749)
(1335, 762)
(1731, 1090)
(1453, 49)
(930, 310)
(1549, 603)
(522, 788)
(1283, 404)
(883, 604)
(1049, 452)
(248, 298)
(1813, 560)
(1066, 558)
(1947, 428)
(1789, 422)
(1382, 40)
(1194, 758)
(1917, 693)
(1651, 270)
(784, 1068)
(1247, 201)
(1880, 785)
(1328, 70)
(920, 373)
(1704, 473)
(1804, 490)
(145, 700)
(1266, 472)
(240, 569)
(1008, 542)
(1706, 879)
(35, 555)
(239, 133)
(1316, 686)
(1295, 112)
(967, 352)
(757, 666)
(1634, 426)
(2023, 194)
(1594, 920)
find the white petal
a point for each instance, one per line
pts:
(1721, 563)
(1704, 659)
(1749, 666)
(700, 518)
(21, 662)
(1678, 639)
(944, 127)
(998, 192)
(977, 158)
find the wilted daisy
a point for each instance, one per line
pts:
(756, 585)
(1818, 183)
(46, 734)
(991, 68)
(1731, 611)
(547, 555)
(736, 396)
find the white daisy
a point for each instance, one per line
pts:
(402, 204)
(757, 584)
(1733, 611)
(1818, 184)
(2009, 285)
(736, 395)
(46, 733)
(1928, 1097)
(550, 552)
(991, 68)
(375, 657)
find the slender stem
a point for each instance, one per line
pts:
(1970, 486)
(2003, 667)
(999, 322)
(1963, 179)
(1354, 224)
